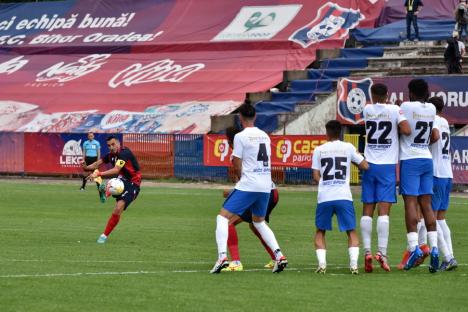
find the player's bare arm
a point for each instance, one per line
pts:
(435, 135)
(95, 165)
(316, 175)
(237, 164)
(404, 127)
(363, 165)
(111, 172)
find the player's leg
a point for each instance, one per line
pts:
(346, 216)
(233, 245)
(366, 233)
(321, 251)
(113, 221)
(236, 203)
(268, 250)
(323, 223)
(383, 231)
(259, 210)
(369, 198)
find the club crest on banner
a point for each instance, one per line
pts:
(353, 95)
(331, 22)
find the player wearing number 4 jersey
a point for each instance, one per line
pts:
(251, 161)
(442, 185)
(331, 164)
(379, 182)
(416, 171)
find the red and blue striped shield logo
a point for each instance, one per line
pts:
(331, 22)
(353, 95)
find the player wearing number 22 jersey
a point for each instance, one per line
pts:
(251, 162)
(416, 171)
(331, 164)
(383, 122)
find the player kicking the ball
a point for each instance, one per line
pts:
(331, 164)
(416, 171)
(251, 161)
(127, 168)
(383, 121)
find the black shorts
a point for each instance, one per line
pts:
(129, 194)
(274, 198)
(89, 160)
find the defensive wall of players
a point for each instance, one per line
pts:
(183, 156)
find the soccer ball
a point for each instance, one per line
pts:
(115, 187)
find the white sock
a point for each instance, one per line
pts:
(321, 257)
(383, 224)
(353, 256)
(422, 233)
(432, 237)
(447, 235)
(222, 224)
(366, 232)
(268, 237)
(441, 243)
(412, 240)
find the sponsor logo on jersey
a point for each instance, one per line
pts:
(258, 22)
(332, 22)
(353, 95)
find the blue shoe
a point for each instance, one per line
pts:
(413, 257)
(452, 265)
(434, 263)
(102, 239)
(443, 266)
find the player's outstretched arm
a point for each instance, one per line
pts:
(93, 166)
(111, 172)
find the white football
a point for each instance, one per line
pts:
(115, 186)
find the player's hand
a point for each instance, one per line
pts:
(93, 175)
(83, 165)
(226, 193)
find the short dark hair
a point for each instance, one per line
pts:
(230, 133)
(438, 103)
(247, 110)
(333, 128)
(379, 92)
(111, 137)
(419, 88)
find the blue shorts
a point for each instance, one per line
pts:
(379, 184)
(441, 197)
(344, 211)
(239, 201)
(416, 177)
(272, 201)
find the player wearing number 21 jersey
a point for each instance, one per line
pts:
(331, 164)
(252, 164)
(416, 171)
(383, 122)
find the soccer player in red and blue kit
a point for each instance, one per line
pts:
(127, 168)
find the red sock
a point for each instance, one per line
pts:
(271, 253)
(113, 221)
(233, 243)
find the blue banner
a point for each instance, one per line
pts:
(459, 153)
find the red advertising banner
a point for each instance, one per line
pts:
(286, 150)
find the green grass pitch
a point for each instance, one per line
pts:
(159, 256)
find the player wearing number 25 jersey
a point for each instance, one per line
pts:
(416, 171)
(383, 122)
(331, 164)
(251, 161)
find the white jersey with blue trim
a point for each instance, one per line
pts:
(420, 117)
(441, 150)
(253, 147)
(382, 144)
(333, 160)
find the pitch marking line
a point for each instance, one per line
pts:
(80, 274)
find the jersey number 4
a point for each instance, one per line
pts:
(339, 163)
(262, 154)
